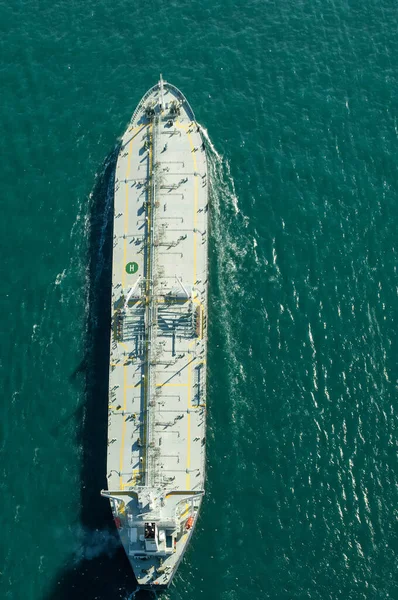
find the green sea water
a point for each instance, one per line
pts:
(300, 102)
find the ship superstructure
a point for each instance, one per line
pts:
(157, 374)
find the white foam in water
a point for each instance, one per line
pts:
(209, 142)
(34, 332)
(234, 197)
(228, 226)
(106, 217)
(60, 277)
(221, 167)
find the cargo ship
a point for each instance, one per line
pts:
(157, 368)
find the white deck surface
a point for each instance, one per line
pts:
(157, 398)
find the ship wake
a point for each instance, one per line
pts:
(230, 248)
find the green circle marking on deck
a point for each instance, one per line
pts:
(131, 268)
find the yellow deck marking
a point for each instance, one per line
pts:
(188, 477)
(195, 206)
(123, 426)
(126, 215)
(126, 218)
(134, 476)
(185, 511)
(124, 364)
(195, 187)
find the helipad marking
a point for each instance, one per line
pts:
(131, 268)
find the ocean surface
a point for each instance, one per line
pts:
(299, 100)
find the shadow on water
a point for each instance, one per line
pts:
(99, 569)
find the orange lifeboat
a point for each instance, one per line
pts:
(189, 523)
